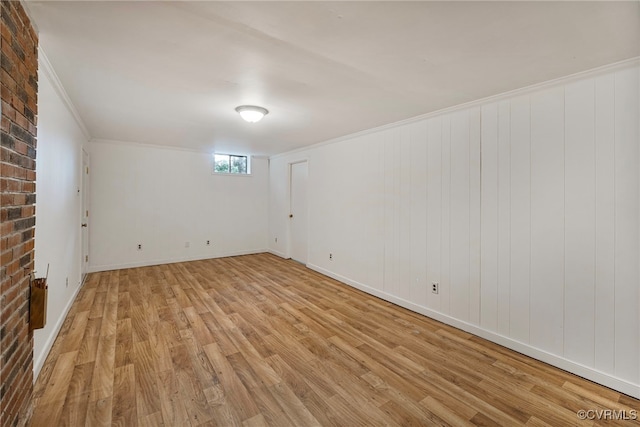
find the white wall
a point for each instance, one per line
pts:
(58, 207)
(525, 209)
(163, 198)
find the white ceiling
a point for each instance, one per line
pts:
(172, 73)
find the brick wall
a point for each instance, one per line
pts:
(19, 86)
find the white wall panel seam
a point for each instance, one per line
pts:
(470, 212)
(427, 210)
(509, 220)
(530, 215)
(595, 219)
(564, 222)
(615, 215)
(480, 231)
(449, 222)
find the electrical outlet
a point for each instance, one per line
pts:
(208, 243)
(67, 284)
(435, 287)
(187, 244)
(276, 240)
(139, 247)
(331, 256)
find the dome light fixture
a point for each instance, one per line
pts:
(252, 113)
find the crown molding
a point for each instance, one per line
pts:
(483, 101)
(147, 145)
(50, 73)
(164, 147)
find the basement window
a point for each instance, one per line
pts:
(231, 164)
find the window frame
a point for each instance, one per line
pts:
(229, 157)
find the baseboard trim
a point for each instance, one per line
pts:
(591, 374)
(38, 362)
(277, 253)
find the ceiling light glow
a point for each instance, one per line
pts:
(252, 113)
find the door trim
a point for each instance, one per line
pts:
(289, 249)
(84, 206)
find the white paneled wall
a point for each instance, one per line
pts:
(525, 210)
(58, 240)
(171, 203)
(519, 281)
(626, 165)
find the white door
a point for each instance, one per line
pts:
(85, 214)
(298, 213)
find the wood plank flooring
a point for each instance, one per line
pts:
(257, 340)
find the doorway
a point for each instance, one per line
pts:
(298, 211)
(85, 214)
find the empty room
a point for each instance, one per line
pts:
(319, 213)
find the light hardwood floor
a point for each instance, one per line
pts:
(257, 340)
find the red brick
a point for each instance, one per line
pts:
(18, 105)
(17, 184)
(6, 228)
(13, 267)
(6, 257)
(7, 170)
(20, 118)
(5, 124)
(19, 199)
(8, 81)
(29, 210)
(5, 286)
(6, 33)
(14, 239)
(18, 251)
(6, 199)
(21, 147)
(5, 93)
(6, 46)
(8, 111)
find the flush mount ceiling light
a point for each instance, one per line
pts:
(252, 113)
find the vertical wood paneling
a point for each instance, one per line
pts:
(474, 212)
(489, 215)
(504, 215)
(547, 220)
(525, 210)
(395, 141)
(604, 312)
(390, 229)
(419, 213)
(404, 225)
(460, 248)
(520, 231)
(365, 246)
(445, 269)
(434, 199)
(627, 217)
(579, 222)
(380, 214)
